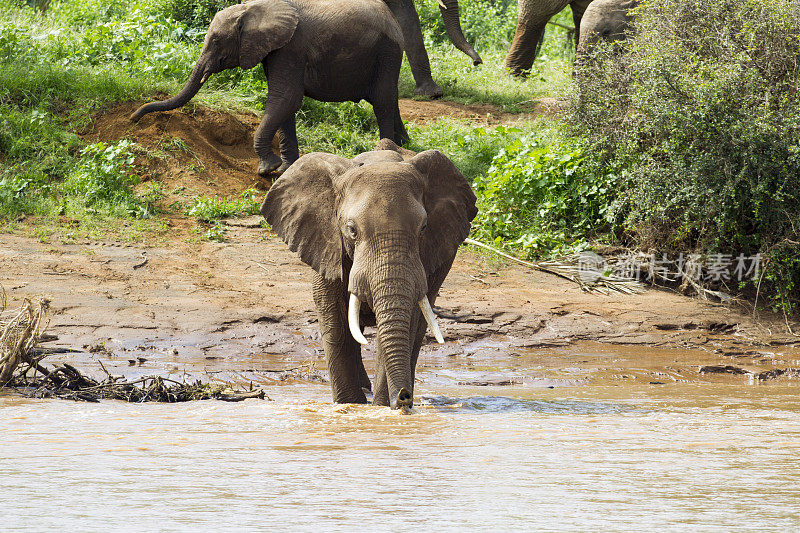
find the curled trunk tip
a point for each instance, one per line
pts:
(196, 80)
(450, 15)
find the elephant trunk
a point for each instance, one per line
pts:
(393, 320)
(450, 15)
(198, 77)
(393, 286)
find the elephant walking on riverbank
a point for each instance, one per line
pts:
(329, 50)
(381, 231)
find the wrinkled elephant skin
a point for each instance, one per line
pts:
(381, 231)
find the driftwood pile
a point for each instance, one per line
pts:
(20, 331)
(21, 370)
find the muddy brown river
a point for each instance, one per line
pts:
(571, 446)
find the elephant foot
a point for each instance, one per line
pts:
(429, 89)
(270, 163)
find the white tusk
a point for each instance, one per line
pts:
(352, 319)
(205, 78)
(430, 318)
(442, 4)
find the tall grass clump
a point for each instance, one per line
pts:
(702, 109)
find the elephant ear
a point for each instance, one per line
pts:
(450, 204)
(300, 207)
(265, 25)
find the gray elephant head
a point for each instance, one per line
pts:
(383, 227)
(605, 20)
(239, 36)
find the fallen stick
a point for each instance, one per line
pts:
(143, 263)
(239, 396)
(602, 283)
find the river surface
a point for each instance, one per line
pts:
(600, 454)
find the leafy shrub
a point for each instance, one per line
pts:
(193, 13)
(144, 42)
(542, 197)
(703, 108)
(104, 178)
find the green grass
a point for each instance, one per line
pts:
(209, 209)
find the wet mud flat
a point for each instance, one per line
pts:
(242, 312)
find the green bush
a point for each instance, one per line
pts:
(542, 197)
(702, 108)
(193, 13)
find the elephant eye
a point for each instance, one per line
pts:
(351, 230)
(424, 226)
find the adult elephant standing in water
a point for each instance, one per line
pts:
(381, 231)
(406, 15)
(329, 50)
(532, 18)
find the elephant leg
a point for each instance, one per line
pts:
(386, 119)
(343, 353)
(578, 9)
(383, 95)
(524, 47)
(400, 129)
(285, 95)
(406, 15)
(287, 137)
(274, 116)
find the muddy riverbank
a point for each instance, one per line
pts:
(242, 311)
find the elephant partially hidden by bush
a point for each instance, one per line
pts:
(608, 20)
(329, 50)
(381, 231)
(605, 20)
